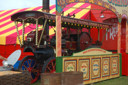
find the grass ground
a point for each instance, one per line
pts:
(116, 81)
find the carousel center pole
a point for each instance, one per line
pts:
(58, 32)
(58, 35)
(119, 38)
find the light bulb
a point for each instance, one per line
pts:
(5, 63)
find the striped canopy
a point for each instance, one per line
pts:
(8, 34)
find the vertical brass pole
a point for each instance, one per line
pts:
(119, 38)
(78, 39)
(98, 34)
(23, 33)
(36, 31)
(42, 32)
(17, 32)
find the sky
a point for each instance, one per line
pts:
(15, 4)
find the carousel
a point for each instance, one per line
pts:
(78, 44)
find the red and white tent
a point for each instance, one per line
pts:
(8, 35)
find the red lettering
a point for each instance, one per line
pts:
(105, 64)
(114, 1)
(124, 2)
(118, 2)
(114, 67)
(83, 66)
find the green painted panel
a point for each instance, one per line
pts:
(59, 64)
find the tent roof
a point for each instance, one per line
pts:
(8, 33)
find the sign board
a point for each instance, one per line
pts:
(95, 68)
(92, 51)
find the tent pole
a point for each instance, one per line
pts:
(17, 32)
